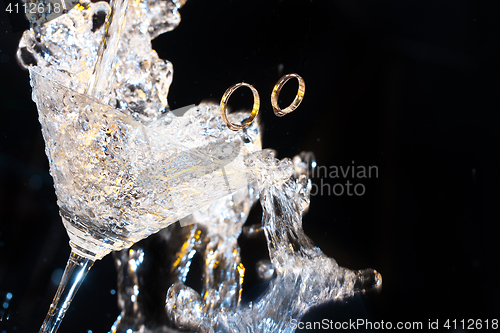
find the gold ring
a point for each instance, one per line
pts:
(255, 109)
(277, 89)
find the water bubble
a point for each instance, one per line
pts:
(280, 69)
(56, 276)
(265, 270)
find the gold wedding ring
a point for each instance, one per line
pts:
(277, 89)
(255, 109)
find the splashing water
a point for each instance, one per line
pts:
(66, 50)
(303, 276)
(132, 168)
(99, 83)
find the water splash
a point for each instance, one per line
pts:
(124, 149)
(129, 76)
(304, 277)
(99, 83)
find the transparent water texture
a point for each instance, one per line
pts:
(118, 181)
(302, 276)
(134, 80)
(124, 168)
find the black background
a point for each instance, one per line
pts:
(408, 86)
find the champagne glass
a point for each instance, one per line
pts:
(118, 181)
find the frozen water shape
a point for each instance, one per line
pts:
(303, 276)
(125, 170)
(118, 181)
(65, 49)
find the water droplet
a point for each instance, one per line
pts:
(56, 276)
(280, 69)
(265, 270)
(367, 279)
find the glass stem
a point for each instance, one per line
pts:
(74, 274)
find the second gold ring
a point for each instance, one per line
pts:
(298, 98)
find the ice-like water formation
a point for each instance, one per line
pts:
(65, 49)
(303, 276)
(117, 181)
(123, 174)
(124, 168)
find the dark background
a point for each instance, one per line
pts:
(408, 86)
